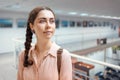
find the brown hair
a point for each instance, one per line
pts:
(32, 16)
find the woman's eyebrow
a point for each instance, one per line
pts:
(52, 18)
(41, 18)
(44, 18)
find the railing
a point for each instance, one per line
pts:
(99, 65)
(96, 61)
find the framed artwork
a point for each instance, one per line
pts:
(64, 23)
(111, 26)
(114, 28)
(90, 23)
(99, 24)
(21, 23)
(72, 23)
(6, 23)
(95, 24)
(57, 23)
(85, 24)
(108, 23)
(119, 31)
(105, 23)
(79, 24)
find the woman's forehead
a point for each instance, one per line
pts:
(45, 14)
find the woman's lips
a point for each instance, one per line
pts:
(48, 32)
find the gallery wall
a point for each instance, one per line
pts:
(63, 32)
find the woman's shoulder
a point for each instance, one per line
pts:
(21, 54)
(66, 52)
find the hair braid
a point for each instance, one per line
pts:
(27, 44)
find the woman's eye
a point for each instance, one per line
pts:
(52, 21)
(42, 21)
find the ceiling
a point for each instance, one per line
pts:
(109, 8)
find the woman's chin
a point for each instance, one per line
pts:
(48, 37)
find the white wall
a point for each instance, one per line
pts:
(63, 36)
(7, 45)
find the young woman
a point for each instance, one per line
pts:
(39, 62)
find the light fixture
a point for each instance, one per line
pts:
(72, 13)
(83, 14)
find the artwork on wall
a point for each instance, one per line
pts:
(64, 23)
(105, 23)
(21, 23)
(79, 24)
(85, 24)
(57, 23)
(95, 24)
(90, 23)
(108, 23)
(99, 24)
(111, 25)
(6, 23)
(114, 28)
(119, 31)
(72, 23)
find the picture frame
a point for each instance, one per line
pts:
(64, 23)
(79, 24)
(90, 23)
(6, 23)
(85, 23)
(21, 23)
(57, 22)
(72, 23)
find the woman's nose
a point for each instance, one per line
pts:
(48, 25)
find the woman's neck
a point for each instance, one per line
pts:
(42, 47)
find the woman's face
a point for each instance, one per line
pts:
(44, 25)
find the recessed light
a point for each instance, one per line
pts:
(83, 14)
(72, 13)
(93, 15)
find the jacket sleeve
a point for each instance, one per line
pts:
(66, 66)
(20, 66)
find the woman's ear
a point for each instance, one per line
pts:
(31, 26)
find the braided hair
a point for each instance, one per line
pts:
(32, 16)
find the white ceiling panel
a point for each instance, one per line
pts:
(97, 7)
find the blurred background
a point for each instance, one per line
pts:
(89, 29)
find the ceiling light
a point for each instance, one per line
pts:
(108, 17)
(72, 13)
(116, 17)
(93, 15)
(102, 16)
(99, 16)
(83, 14)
